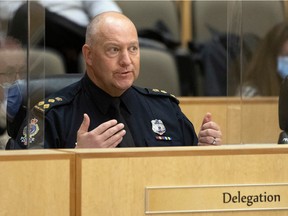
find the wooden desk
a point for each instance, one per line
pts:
(119, 182)
(37, 183)
(114, 181)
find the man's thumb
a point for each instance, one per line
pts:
(85, 124)
(207, 118)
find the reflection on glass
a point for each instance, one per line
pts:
(260, 46)
(12, 69)
(238, 47)
(269, 65)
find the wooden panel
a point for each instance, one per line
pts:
(241, 121)
(37, 182)
(113, 181)
(285, 5)
(186, 24)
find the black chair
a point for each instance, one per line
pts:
(283, 112)
(31, 92)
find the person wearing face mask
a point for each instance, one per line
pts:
(282, 66)
(269, 64)
(12, 68)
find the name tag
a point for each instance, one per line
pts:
(216, 198)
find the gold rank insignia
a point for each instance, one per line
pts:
(164, 92)
(51, 100)
(41, 103)
(46, 106)
(173, 95)
(155, 90)
(42, 106)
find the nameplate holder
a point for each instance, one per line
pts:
(216, 198)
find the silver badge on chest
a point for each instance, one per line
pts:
(158, 126)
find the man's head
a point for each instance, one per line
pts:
(112, 52)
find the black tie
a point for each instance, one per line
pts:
(117, 114)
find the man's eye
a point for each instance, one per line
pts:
(134, 49)
(113, 50)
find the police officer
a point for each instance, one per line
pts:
(104, 109)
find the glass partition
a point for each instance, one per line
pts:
(237, 27)
(22, 61)
(219, 60)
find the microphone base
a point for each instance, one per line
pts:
(283, 138)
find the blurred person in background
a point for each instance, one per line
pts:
(12, 68)
(269, 64)
(60, 25)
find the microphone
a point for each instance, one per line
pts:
(283, 138)
(283, 112)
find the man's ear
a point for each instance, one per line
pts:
(86, 51)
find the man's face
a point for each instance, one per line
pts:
(115, 57)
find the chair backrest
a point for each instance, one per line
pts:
(158, 70)
(145, 14)
(45, 63)
(41, 62)
(38, 89)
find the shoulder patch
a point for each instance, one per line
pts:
(48, 103)
(156, 92)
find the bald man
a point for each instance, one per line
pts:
(104, 109)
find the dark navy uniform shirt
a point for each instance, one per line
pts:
(153, 116)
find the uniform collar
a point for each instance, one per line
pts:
(101, 99)
(127, 99)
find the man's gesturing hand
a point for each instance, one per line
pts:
(107, 135)
(210, 133)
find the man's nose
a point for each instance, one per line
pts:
(125, 59)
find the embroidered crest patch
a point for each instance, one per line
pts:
(32, 130)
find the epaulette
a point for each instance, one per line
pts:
(48, 103)
(156, 92)
(64, 96)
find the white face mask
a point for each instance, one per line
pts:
(282, 66)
